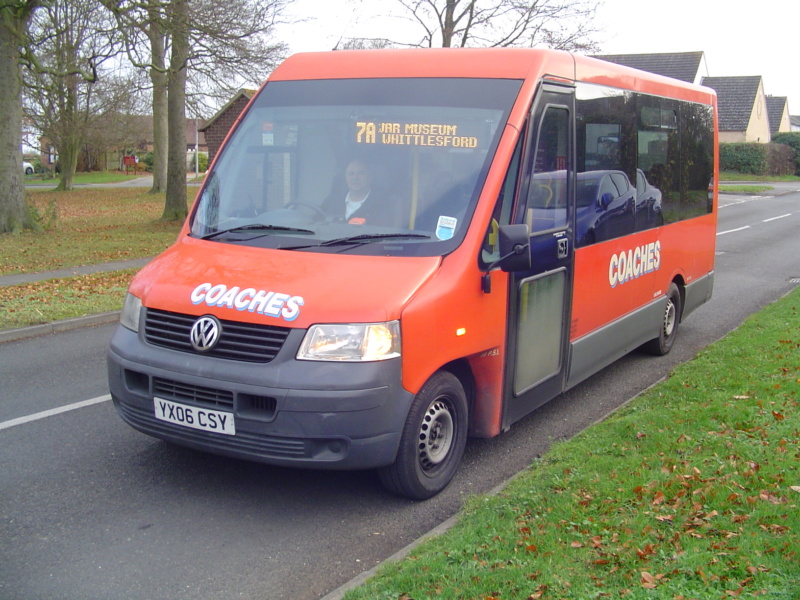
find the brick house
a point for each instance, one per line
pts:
(117, 135)
(218, 126)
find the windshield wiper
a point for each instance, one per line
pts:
(354, 240)
(368, 238)
(254, 227)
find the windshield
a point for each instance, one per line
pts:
(369, 166)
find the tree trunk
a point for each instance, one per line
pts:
(448, 23)
(158, 77)
(13, 210)
(70, 138)
(175, 207)
(68, 151)
(160, 132)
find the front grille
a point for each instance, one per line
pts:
(247, 342)
(192, 394)
(251, 445)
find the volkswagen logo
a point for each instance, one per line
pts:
(205, 333)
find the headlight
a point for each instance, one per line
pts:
(130, 312)
(351, 342)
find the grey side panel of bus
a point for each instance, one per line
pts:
(602, 347)
(697, 293)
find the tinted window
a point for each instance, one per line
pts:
(659, 155)
(663, 147)
(697, 149)
(547, 194)
(606, 158)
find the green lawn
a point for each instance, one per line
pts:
(87, 226)
(90, 177)
(745, 189)
(691, 491)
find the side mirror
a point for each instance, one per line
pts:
(606, 200)
(515, 248)
(514, 243)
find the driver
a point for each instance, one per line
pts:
(361, 205)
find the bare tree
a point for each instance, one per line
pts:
(364, 44)
(201, 53)
(120, 125)
(145, 29)
(14, 20)
(69, 42)
(558, 24)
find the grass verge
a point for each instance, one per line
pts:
(63, 298)
(88, 226)
(689, 491)
(745, 189)
(734, 176)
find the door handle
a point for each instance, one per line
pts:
(563, 247)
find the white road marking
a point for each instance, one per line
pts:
(776, 218)
(54, 411)
(733, 230)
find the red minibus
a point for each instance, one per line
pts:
(397, 249)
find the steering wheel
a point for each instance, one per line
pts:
(315, 210)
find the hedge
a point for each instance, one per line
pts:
(761, 159)
(791, 139)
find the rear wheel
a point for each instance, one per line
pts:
(432, 442)
(669, 324)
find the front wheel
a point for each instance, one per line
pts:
(668, 329)
(433, 440)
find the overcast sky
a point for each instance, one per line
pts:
(738, 37)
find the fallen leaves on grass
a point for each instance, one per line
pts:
(54, 299)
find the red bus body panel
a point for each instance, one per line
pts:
(445, 315)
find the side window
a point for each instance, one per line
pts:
(607, 188)
(658, 158)
(606, 163)
(621, 182)
(546, 206)
(659, 151)
(697, 147)
(490, 251)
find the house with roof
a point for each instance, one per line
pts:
(795, 122)
(742, 107)
(778, 110)
(116, 135)
(685, 66)
(218, 126)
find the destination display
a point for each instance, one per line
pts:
(413, 134)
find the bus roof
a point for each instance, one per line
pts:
(493, 63)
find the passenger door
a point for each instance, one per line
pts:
(539, 299)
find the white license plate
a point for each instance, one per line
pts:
(194, 417)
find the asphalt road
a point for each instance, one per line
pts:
(91, 509)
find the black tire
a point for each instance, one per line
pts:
(29, 171)
(433, 440)
(668, 330)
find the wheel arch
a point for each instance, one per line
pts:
(462, 370)
(680, 282)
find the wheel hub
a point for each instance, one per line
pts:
(669, 318)
(435, 435)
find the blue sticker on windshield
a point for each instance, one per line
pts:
(446, 227)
